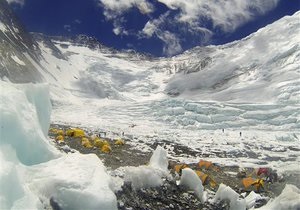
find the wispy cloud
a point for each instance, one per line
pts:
(227, 15)
(171, 43)
(20, 2)
(191, 18)
(68, 28)
(77, 21)
(115, 8)
(118, 26)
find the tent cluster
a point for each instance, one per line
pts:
(90, 142)
(257, 178)
(254, 180)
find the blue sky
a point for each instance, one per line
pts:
(157, 27)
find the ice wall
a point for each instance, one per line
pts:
(33, 174)
(25, 118)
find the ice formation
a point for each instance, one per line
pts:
(142, 177)
(225, 193)
(159, 159)
(190, 180)
(150, 175)
(33, 174)
(289, 199)
(25, 119)
(251, 199)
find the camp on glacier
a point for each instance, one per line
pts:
(84, 126)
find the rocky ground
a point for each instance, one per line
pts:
(170, 195)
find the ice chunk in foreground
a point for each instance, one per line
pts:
(159, 159)
(25, 117)
(289, 199)
(143, 177)
(190, 180)
(252, 198)
(74, 181)
(33, 171)
(225, 193)
(151, 175)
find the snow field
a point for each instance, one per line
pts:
(99, 73)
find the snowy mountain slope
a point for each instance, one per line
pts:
(99, 72)
(235, 72)
(266, 84)
(19, 53)
(265, 62)
(263, 67)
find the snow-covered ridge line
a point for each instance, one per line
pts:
(261, 68)
(264, 62)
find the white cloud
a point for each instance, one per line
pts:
(21, 2)
(152, 26)
(115, 8)
(156, 27)
(190, 17)
(118, 26)
(225, 14)
(119, 30)
(171, 43)
(149, 29)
